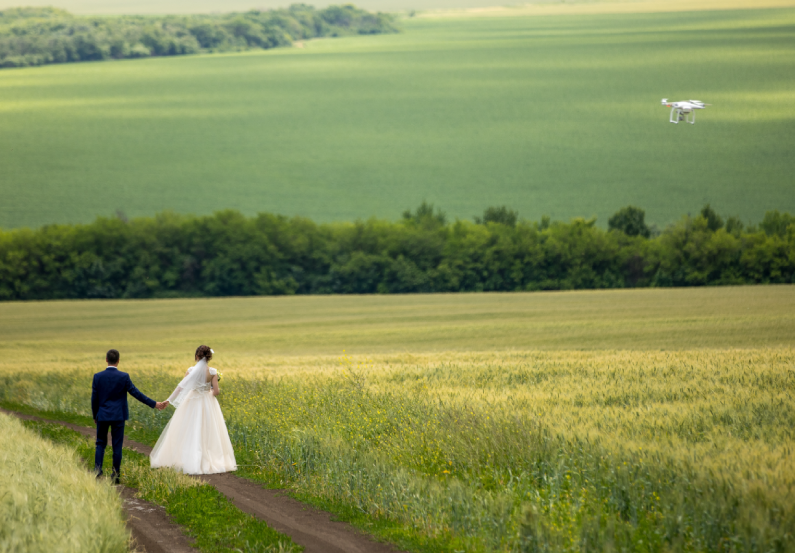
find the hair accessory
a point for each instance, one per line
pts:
(211, 350)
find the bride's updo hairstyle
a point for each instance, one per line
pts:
(204, 352)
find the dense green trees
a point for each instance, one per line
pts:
(500, 214)
(36, 36)
(631, 221)
(229, 254)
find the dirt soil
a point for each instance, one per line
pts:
(150, 526)
(312, 528)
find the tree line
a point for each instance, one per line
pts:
(37, 36)
(228, 254)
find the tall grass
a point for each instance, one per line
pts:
(556, 451)
(517, 451)
(210, 518)
(48, 502)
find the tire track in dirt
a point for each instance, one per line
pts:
(150, 526)
(307, 526)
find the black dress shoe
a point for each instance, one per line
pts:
(115, 478)
(99, 475)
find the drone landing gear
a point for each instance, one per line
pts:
(678, 115)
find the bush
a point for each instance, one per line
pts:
(500, 215)
(714, 221)
(631, 221)
(229, 254)
(776, 224)
(139, 51)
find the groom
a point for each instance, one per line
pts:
(109, 406)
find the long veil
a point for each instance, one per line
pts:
(197, 375)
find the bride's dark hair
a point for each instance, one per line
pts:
(204, 352)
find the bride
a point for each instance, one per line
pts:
(195, 440)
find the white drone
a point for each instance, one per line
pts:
(684, 111)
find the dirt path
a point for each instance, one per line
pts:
(307, 526)
(151, 527)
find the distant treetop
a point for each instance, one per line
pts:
(631, 221)
(501, 215)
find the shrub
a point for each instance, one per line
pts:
(229, 254)
(631, 221)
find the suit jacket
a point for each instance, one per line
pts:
(109, 395)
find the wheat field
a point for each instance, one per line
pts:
(48, 502)
(456, 422)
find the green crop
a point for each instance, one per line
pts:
(557, 115)
(48, 502)
(672, 431)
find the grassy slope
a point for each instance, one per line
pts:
(553, 114)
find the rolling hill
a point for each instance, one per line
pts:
(549, 114)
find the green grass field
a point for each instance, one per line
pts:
(633, 420)
(556, 115)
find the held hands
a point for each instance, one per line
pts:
(160, 405)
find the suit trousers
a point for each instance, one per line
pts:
(117, 434)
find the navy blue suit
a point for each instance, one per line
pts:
(109, 407)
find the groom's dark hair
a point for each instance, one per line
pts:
(112, 357)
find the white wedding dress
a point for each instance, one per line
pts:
(195, 440)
